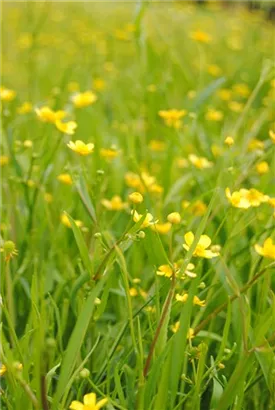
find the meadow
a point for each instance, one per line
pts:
(138, 207)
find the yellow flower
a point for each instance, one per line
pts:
(241, 89)
(272, 135)
(175, 327)
(109, 154)
(65, 220)
(190, 332)
(174, 218)
(214, 115)
(9, 249)
(214, 70)
(115, 204)
(235, 106)
(224, 94)
(3, 370)
(25, 108)
(157, 146)
(255, 144)
(256, 197)
(188, 271)
(65, 179)
(46, 114)
(172, 117)
(81, 148)
(6, 94)
(267, 250)
(84, 99)
(262, 167)
(198, 208)
(183, 298)
(201, 36)
(27, 144)
(133, 292)
(135, 198)
(66, 127)
(229, 141)
(163, 228)
(4, 160)
(238, 198)
(147, 221)
(89, 403)
(201, 247)
(200, 162)
(99, 84)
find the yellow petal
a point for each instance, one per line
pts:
(90, 399)
(101, 403)
(76, 405)
(189, 238)
(204, 241)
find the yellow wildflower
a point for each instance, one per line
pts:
(84, 99)
(9, 249)
(172, 117)
(135, 198)
(6, 94)
(241, 89)
(4, 160)
(189, 271)
(99, 84)
(235, 106)
(65, 179)
(201, 247)
(174, 218)
(256, 197)
(81, 148)
(238, 198)
(109, 153)
(229, 141)
(89, 403)
(133, 292)
(175, 327)
(27, 143)
(25, 108)
(183, 298)
(255, 144)
(262, 168)
(165, 270)
(198, 208)
(115, 204)
(267, 250)
(214, 70)
(147, 221)
(65, 220)
(214, 115)
(200, 162)
(156, 145)
(66, 127)
(201, 36)
(224, 94)
(3, 370)
(272, 135)
(46, 114)
(162, 228)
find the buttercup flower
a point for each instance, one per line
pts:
(201, 248)
(262, 168)
(255, 144)
(183, 298)
(174, 218)
(238, 198)
(267, 250)
(201, 36)
(89, 403)
(200, 162)
(65, 220)
(198, 208)
(115, 204)
(163, 228)
(147, 221)
(172, 117)
(4, 160)
(66, 127)
(65, 179)
(229, 141)
(81, 148)
(213, 115)
(9, 249)
(135, 198)
(25, 108)
(6, 94)
(157, 146)
(272, 135)
(3, 370)
(255, 197)
(84, 99)
(46, 114)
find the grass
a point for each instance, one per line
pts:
(98, 298)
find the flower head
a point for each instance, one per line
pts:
(174, 218)
(84, 99)
(81, 148)
(9, 249)
(66, 221)
(65, 179)
(200, 162)
(66, 127)
(114, 204)
(46, 114)
(267, 250)
(172, 117)
(89, 403)
(109, 153)
(135, 198)
(162, 228)
(6, 94)
(201, 36)
(25, 108)
(147, 221)
(238, 198)
(201, 247)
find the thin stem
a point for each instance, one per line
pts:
(231, 299)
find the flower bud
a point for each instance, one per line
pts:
(174, 218)
(135, 198)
